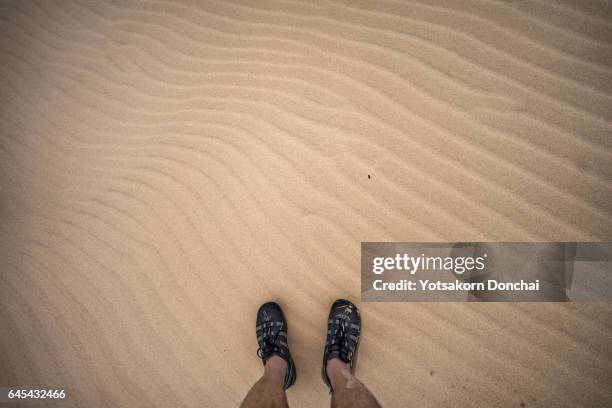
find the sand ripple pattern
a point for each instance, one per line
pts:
(167, 166)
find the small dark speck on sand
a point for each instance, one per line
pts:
(369, 176)
(431, 373)
(522, 404)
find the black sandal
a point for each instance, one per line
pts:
(271, 331)
(343, 331)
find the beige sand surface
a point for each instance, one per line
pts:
(166, 167)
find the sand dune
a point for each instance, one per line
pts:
(168, 166)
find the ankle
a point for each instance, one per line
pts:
(276, 369)
(337, 371)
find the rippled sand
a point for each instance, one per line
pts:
(166, 167)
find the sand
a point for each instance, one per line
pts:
(167, 167)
